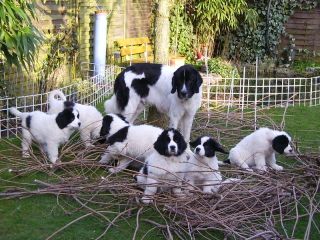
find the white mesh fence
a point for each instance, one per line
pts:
(264, 92)
(90, 90)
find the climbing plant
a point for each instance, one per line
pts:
(263, 40)
(181, 31)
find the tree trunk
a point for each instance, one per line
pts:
(161, 53)
(162, 33)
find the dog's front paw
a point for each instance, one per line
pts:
(262, 168)
(277, 167)
(25, 154)
(113, 170)
(147, 200)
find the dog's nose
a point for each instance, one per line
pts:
(172, 148)
(183, 94)
(198, 149)
(291, 150)
(79, 124)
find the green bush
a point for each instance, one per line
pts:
(222, 67)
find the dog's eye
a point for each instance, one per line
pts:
(78, 115)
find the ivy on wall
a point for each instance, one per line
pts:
(263, 41)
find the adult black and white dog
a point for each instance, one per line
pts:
(166, 166)
(203, 170)
(175, 92)
(127, 142)
(90, 117)
(49, 130)
(258, 149)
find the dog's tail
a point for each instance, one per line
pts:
(16, 112)
(111, 106)
(53, 94)
(120, 98)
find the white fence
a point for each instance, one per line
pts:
(236, 93)
(90, 90)
(262, 92)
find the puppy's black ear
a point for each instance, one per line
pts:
(199, 80)
(106, 123)
(162, 142)
(64, 118)
(195, 142)
(174, 83)
(217, 147)
(179, 139)
(122, 117)
(279, 143)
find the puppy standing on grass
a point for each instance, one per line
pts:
(49, 130)
(90, 117)
(124, 139)
(175, 92)
(166, 166)
(258, 149)
(203, 170)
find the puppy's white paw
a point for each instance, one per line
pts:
(25, 154)
(114, 170)
(277, 168)
(147, 200)
(104, 160)
(262, 168)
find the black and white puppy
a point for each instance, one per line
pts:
(203, 170)
(90, 117)
(175, 92)
(258, 149)
(126, 142)
(49, 130)
(166, 166)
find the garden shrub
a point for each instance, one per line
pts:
(222, 67)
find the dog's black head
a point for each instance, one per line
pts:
(69, 117)
(170, 143)
(281, 144)
(207, 146)
(68, 104)
(116, 120)
(186, 81)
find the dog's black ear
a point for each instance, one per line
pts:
(199, 80)
(279, 143)
(217, 146)
(174, 83)
(122, 117)
(106, 123)
(161, 144)
(179, 139)
(64, 118)
(195, 142)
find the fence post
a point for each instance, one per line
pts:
(255, 96)
(242, 91)
(311, 92)
(230, 95)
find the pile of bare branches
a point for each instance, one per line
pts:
(258, 206)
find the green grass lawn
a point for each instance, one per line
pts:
(37, 217)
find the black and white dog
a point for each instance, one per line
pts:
(258, 149)
(49, 130)
(203, 170)
(127, 142)
(166, 166)
(176, 92)
(90, 117)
